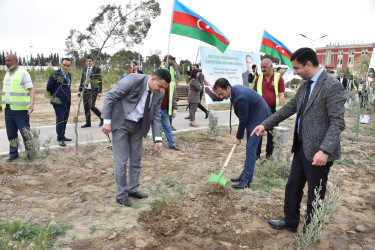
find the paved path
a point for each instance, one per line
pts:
(94, 133)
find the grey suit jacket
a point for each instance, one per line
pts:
(194, 91)
(245, 78)
(323, 119)
(120, 101)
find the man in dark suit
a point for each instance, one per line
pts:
(319, 104)
(58, 87)
(128, 111)
(251, 109)
(245, 75)
(91, 85)
(343, 80)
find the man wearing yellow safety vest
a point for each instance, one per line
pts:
(171, 65)
(271, 87)
(253, 75)
(17, 100)
(352, 84)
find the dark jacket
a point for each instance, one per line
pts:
(344, 82)
(95, 79)
(59, 87)
(250, 108)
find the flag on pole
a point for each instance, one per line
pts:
(186, 22)
(372, 62)
(275, 48)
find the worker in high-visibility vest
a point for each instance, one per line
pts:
(270, 85)
(171, 65)
(352, 85)
(17, 100)
(253, 75)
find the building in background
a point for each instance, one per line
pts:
(340, 57)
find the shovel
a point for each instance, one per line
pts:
(219, 178)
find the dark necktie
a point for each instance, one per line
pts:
(230, 116)
(146, 116)
(305, 101)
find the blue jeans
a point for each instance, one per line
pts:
(16, 120)
(251, 147)
(167, 127)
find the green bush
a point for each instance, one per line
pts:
(16, 235)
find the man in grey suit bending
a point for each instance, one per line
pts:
(128, 111)
(319, 104)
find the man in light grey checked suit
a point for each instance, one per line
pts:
(319, 104)
(127, 116)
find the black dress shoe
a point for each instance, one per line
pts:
(187, 117)
(62, 143)
(124, 201)
(29, 158)
(207, 114)
(12, 158)
(101, 122)
(67, 139)
(138, 195)
(86, 125)
(280, 224)
(242, 185)
(174, 148)
(238, 179)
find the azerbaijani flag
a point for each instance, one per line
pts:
(275, 48)
(186, 22)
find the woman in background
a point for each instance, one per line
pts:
(194, 95)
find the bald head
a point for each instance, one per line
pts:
(11, 62)
(266, 67)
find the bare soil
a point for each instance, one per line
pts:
(184, 210)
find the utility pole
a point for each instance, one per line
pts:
(27, 57)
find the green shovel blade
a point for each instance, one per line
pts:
(218, 178)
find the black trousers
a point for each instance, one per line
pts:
(89, 99)
(303, 171)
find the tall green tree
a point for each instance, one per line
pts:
(183, 66)
(152, 63)
(114, 27)
(273, 59)
(2, 56)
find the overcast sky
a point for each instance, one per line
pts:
(45, 24)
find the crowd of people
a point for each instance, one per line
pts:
(142, 102)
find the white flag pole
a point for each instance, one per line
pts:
(170, 29)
